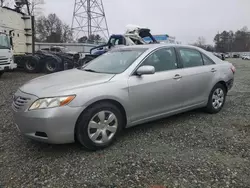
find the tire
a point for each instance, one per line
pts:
(32, 64)
(92, 114)
(216, 99)
(1, 73)
(51, 65)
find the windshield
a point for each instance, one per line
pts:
(114, 62)
(4, 42)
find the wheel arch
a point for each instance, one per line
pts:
(112, 101)
(222, 82)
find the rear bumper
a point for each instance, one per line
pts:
(230, 84)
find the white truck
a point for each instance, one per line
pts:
(6, 54)
(17, 29)
(15, 37)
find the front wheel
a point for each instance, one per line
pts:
(99, 125)
(216, 99)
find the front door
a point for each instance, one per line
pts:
(156, 94)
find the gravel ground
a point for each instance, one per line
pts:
(193, 149)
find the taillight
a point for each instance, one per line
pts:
(233, 69)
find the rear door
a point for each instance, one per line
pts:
(197, 74)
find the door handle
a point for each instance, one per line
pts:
(213, 70)
(177, 76)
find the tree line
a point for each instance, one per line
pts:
(52, 29)
(228, 41)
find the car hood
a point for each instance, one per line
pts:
(64, 83)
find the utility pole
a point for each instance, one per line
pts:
(89, 19)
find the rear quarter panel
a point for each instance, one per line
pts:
(223, 74)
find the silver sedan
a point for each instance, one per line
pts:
(122, 88)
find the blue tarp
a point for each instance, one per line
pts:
(157, 37)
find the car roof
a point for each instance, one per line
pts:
(152, 47)
(155, 46)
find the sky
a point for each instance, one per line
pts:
(184, 19)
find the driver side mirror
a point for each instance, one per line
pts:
(146, 69)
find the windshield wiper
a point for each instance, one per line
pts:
(90, 70)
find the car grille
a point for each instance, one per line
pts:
(22, 101)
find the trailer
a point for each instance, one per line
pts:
(19, 28)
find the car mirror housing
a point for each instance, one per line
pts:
(146, 69)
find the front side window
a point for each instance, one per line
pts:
(190, 58)
(115, 61)
(162, 60)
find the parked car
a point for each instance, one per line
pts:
(227, 55)
(246, 57)
(219, 55)
(124, 87)
(236, 55)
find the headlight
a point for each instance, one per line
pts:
(51, 102)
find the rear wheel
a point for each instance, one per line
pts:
(99, 125)
(51, 65)
(217, 99)
(32, 65)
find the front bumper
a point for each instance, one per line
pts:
(10, 66)
(55, 125)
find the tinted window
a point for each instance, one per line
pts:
(206, 60)
(162, 60)
(190, 58)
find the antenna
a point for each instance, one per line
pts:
(89, 19)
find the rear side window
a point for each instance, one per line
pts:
(207, 61)
(190, 58)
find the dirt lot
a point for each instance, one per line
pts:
(193, 149)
